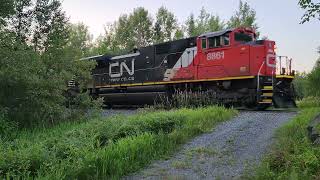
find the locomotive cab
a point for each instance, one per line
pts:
(237, 54)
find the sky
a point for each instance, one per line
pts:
(277, 19)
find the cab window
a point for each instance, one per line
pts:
(215, 42)
(204, 43)
(242, 37)
(226, 39)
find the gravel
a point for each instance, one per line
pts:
(231, 151)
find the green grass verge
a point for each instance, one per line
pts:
(104, 148)
(292, 155)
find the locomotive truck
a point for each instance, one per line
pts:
(234, 65)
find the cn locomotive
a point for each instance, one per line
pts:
(232, 63)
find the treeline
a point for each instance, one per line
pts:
(307, 84)
(140, 28)
(39, 48)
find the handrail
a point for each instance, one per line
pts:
(258, 83)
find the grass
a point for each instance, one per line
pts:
(293, 156)
(104, 148)
(204, 151)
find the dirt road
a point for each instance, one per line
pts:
(230, 151)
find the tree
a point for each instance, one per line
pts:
(80, 40)
(165, 26)
(312, 10)
(140, 23)
(300, 83)
(34, 73)
(245, 16)
(49, 19)
(179, 34)
(21, 21)
(191, 26)
(314, 79)
(204, 23)
(215, 24)
(6, 9)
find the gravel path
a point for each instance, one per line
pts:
(229, 152)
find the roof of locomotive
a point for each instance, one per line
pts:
(217, 33)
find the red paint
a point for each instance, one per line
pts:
(235, 60)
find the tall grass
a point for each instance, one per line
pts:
(104, 148)
(187, 99)
(309, 102)
(293, 156)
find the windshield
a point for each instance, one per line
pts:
(242, 37)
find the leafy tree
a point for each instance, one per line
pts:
(49, 19)
(191, 26)
(204, 23)
(122, 30)
(128, 32)
(141, 26)
(80, 40)
(165, 25)
(6, 9)
(312, 10)
(314, 79)
(244, 16)
(179, 34)
(215, 23)
(34, 75)
(21, 21)
(300, 85)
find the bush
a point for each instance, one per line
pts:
(313, 81)
(104, 148)
(300, 83)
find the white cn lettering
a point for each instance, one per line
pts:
(215, 56)
(123, 66)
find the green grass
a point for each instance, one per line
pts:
(293, 156)
(309, 102)
(104, 148)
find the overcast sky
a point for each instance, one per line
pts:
(277, 19)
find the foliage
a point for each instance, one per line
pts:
(300, 83)
(104, 148)
(80, 40)
(312, 10)
(165, 26)
(139, 28)
(313, 80)
(6, 9)
(293, 156)
(204, 23)
(36, 64)
(309, 102)
(245, 16)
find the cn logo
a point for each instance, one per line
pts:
(123, 67)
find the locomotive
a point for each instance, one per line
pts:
(232, 64)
